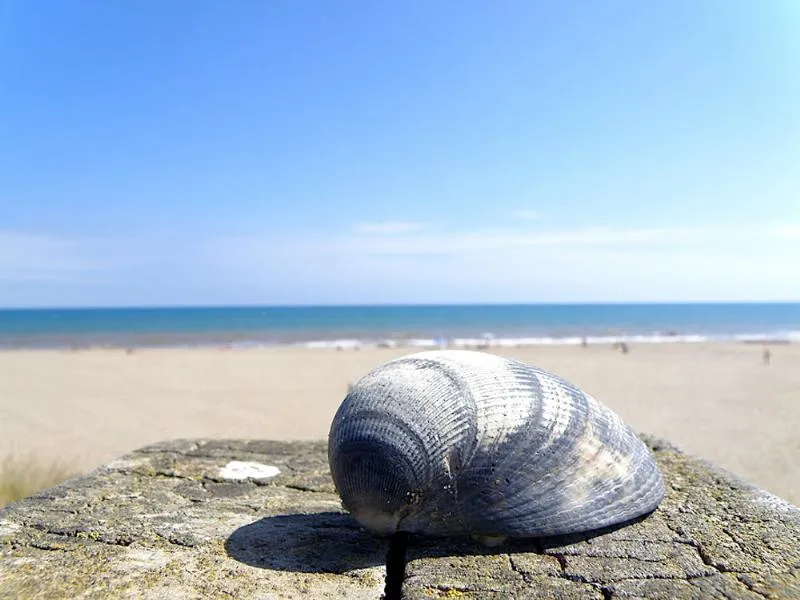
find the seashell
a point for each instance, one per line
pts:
(458, 442)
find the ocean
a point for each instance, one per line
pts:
(422, 326)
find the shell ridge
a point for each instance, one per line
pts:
(579, 470)
(499, 443)
(614, 505)
(567, 419)
(445, 500)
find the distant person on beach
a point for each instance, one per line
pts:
(766, 356)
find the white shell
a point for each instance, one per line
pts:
(457, 442)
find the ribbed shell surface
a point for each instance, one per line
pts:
(461, 442)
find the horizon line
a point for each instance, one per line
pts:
(396, 305)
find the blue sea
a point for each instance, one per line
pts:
(349, 326)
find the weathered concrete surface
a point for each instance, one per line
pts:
(713, 537)
(164, 522)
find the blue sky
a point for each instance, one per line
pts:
(206, 152)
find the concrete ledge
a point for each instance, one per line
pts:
(174, 521)
(713, 537)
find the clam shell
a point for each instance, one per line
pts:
(458, 442)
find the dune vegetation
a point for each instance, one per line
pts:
(22, 476)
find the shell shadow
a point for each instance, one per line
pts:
(324, 542)
(333, 542)
(427, 547)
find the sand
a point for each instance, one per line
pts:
(716, 401)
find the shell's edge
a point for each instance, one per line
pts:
(643, 497)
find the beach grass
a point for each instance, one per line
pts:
(22, 476)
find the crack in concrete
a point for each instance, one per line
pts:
(302, 488)
(746, 580)
(396, 566)
(205, 479)
(77, 534)
(562, 562)
(744, 550)
(688, 540)
(170, 475)
(176, 541)
(39, 545)
(153, 473)
(524, 576)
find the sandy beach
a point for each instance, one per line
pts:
(717, 401)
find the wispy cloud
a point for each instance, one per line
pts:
(787, 231)
(526, 215)
(708, 262)
(593, 237)
(25, 256)
(413, 264)
(416, 240)
(390, 227)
